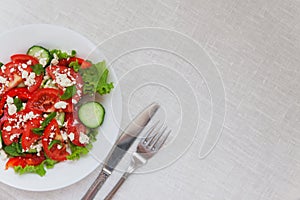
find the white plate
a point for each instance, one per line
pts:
(63, 174)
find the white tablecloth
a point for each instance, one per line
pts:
(255, 45)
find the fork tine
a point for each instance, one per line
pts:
(163, 140)
(149, 133)
(156, 138)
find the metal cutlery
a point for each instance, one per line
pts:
(121, 146)
(146, 149)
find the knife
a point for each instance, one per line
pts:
(120, 147)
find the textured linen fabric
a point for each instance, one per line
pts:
(256, 47)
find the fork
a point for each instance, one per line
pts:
(146, 149)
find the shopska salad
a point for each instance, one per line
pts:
(43, 118)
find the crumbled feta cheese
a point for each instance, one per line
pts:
(60, 104)
(71, 136)
(51, 135)
(8, 128)
(12, 109)
(55, 61)
(38, 148)
(2, 80)
(38, 54)
(3, 68)
(9, 100)
(24, 74)
(63, 80)
(59, 146)
(83, 138)
(64, 135)
(43, 61)
(13, 136)
(12, 70)
(24, 65)
(29, 62)
(74, 101)
(30, 80)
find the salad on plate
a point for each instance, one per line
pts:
(44, 115)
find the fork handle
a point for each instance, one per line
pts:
(117, 186)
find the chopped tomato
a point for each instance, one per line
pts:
(66, 62)
(29, 137)
(74, 126)
(24, 58)
(44, 99)
(57, 152)
(23, 161)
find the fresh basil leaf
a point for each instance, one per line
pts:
(53, 142)
(73, 53)
(70, 91)
(14, 149)
(48, 119)
(77, 151)
(75, 65)
(38, 69)
(18, 103)
(1, 144)
(38, 131)
(1, 64)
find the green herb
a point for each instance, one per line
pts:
(53, 142)
(62, 54)
(1, 64)
(18, 103)
(15, 149)
(77, 151)
(39, 169)
(73, 53)
(95, 79)
(48, 119)
(70, 91)
(39, 131)
(38, 69)
(75, 65)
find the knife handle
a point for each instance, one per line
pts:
(95, 187)
(117, 186)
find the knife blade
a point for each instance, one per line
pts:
(120, 148)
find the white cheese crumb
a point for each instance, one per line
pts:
(8, 128)
(60, 104)
(13, 136)
(83, 138)
(59, 146)
(12, 109)
(2, 80)
(64, 135)
(43, 61)
(38, 148)
(63, 80)
(24, 65)
(29, 62)
(71, 136)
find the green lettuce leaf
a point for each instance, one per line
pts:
(77, 151)
(95, 79)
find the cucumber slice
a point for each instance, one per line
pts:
(60, 117)
(91, 114)
(40, 53)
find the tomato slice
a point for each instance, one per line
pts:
(10, 134)
(22, 94)
(23, 161)
(13, 126)
(29, 137)
(43, 100)
(57, 152)
(24, 58)
(75, 127)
